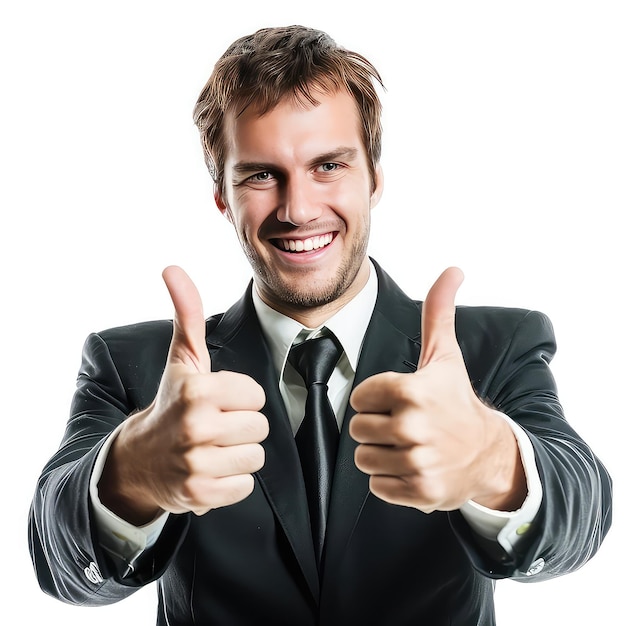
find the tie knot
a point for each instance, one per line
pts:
(315, 359)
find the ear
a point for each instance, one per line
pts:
(221, 203)
(379, 184)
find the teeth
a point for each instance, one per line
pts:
(306, 245)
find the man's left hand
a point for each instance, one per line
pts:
(426, 439)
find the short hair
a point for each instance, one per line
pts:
(272, 64)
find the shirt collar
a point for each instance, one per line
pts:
(348, 324)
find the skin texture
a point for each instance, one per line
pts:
(296, 173)
(297, 178)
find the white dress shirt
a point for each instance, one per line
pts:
(349, 325)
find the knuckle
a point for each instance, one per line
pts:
(409, 392)
(192, 491)
(404, 428)
(429, 493)
(190, 389)
(415, 459)
(189, 461)
(193, 430)
(398, 427)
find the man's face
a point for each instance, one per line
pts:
(299, 194)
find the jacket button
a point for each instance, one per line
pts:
(536, 567)
(92, 573)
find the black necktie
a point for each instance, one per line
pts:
(318, 437)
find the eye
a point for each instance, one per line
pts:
(261, 177)
(329, 167)
(264, 179)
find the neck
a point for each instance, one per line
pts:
(316, 316)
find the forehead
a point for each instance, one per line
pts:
(292, 127)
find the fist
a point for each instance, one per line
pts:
(426, 440)
(197, 445)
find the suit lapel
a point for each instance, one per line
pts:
(237, 344)
(390, 344)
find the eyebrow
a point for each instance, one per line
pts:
(245, 167)
(342, 153)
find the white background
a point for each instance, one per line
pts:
(504, 154)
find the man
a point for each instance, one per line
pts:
(184, 462)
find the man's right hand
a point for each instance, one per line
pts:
(196, 446)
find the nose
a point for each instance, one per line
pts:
(298, 203)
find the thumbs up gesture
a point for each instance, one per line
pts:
(426, 440)
(196, 446)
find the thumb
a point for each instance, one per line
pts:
(438, 311)
(189, 339)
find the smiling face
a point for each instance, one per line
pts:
(298, 191)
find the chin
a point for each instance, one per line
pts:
(307, 288)
(310, 293)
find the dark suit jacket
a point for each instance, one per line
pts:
(253, 562)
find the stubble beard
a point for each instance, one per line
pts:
(301, 296)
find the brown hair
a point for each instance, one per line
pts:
(274, 63)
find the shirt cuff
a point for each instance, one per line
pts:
(508, 527)
(117, 536)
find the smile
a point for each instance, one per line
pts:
(304, 245)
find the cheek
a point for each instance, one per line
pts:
(248, 222)
(243, 210)
(351, 202)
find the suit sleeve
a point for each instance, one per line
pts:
(63, 542)
(575, 512)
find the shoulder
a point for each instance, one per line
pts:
(502, 322)
(490, 337)
(494, 319)
(478, 327)
(129, 359)
(141, 341)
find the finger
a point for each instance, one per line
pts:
(401, 491)
(386, 430)
(378, 393)
(224, 428)
(211, 462)
(225, 390)
(438, 313)
(242, 427)
(214, 493)
(413, 461)
(189, 339)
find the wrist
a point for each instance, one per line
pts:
(119, 489)
(505, 487)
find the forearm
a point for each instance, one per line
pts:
(575, 510)
(68, 560)
(124, 541)
(64, 540)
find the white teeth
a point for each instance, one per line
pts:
(306, 245)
